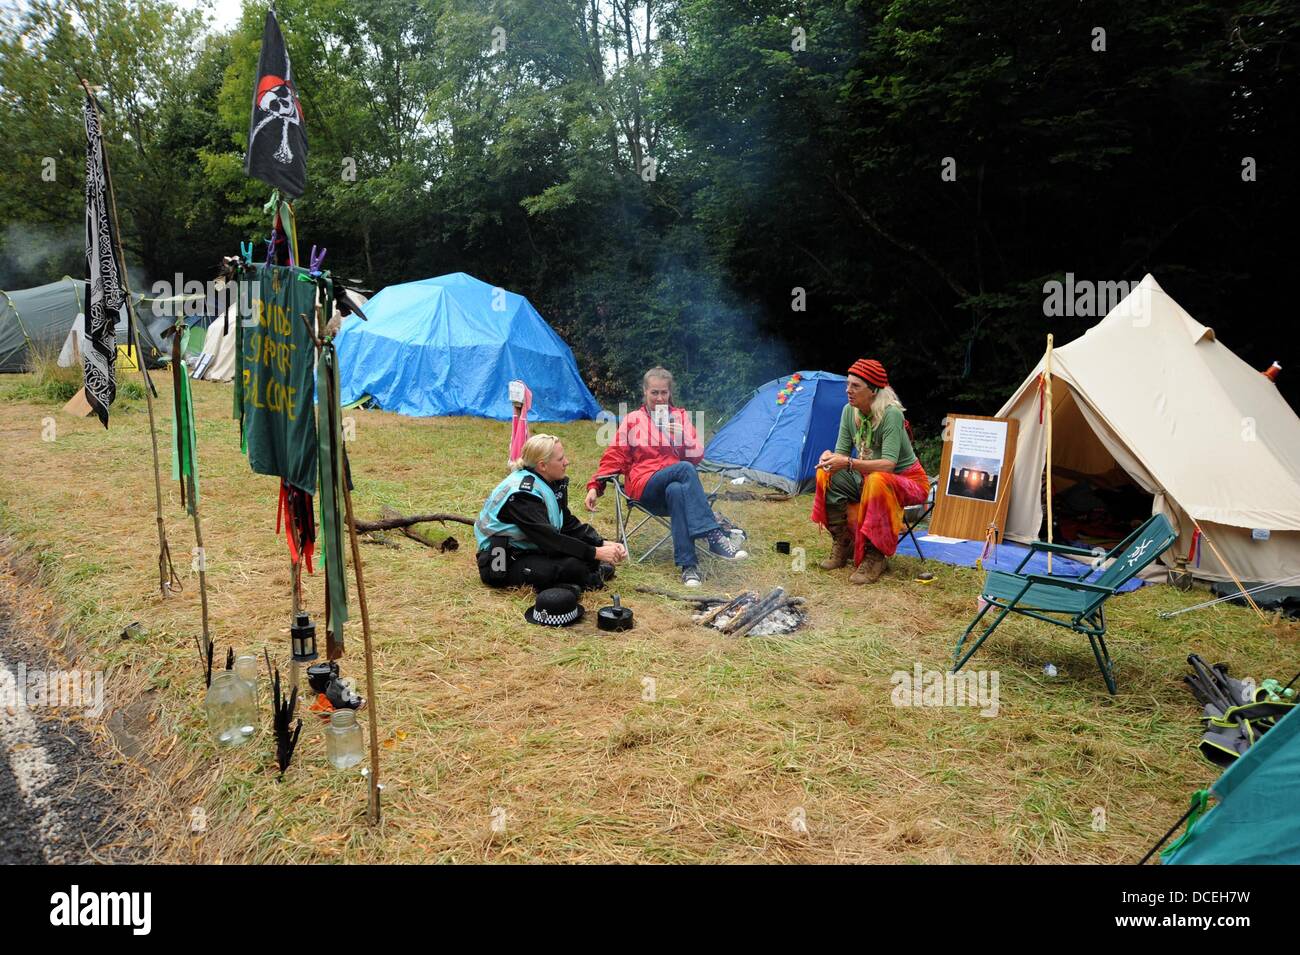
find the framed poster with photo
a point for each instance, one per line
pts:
(974, 485)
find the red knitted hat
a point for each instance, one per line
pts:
(870, 371)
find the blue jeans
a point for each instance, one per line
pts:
(676, 493)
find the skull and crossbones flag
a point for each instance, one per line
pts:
(277, 139)
(105, 291)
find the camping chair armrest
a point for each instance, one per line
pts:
(1065, 549)
(1069, 583)
(603, 479)
(1061, 548)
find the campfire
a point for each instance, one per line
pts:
(752, 615)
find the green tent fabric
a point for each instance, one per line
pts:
(1256, 820)
(40, 318)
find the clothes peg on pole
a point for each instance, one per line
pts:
(316, 261)
(246, 252)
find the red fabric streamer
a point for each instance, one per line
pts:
(294, 515)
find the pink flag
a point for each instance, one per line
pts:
(519, 431)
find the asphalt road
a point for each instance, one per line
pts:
(51, 808)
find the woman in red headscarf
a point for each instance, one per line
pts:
(881, 478)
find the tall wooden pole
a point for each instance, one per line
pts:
(1047, 417)
(166, 571)
(372, 703)
(191, 484)
(370, 660)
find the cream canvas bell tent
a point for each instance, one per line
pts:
(218, 356)
(1152, 393)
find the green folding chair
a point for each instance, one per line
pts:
(1072, 602)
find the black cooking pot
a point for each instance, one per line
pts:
(616, 617)
(320, 674)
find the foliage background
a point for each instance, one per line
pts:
(526, 163)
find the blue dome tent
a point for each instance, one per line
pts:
(450, 346)
(778, 444)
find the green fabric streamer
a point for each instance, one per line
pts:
(185, 443)
(332, 476)
(275, 365)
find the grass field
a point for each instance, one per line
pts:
(485, 717)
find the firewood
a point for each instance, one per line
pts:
(741, 623)
(685, 598)
(708, 618)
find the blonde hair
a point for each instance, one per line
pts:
(656, 372)
(536, 450)
(884, 398)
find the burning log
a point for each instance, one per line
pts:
(742, 623)
(729, 606)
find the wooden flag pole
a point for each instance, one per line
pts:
(371, 701)
(1047, 416)
(191, 483)
(167, 576)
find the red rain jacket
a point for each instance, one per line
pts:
(640, 450)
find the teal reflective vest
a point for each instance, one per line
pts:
(490, 524)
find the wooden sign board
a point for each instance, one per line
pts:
(974, 486)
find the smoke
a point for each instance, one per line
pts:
(33, 254)
(37, 253)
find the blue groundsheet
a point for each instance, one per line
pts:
(1004, 557)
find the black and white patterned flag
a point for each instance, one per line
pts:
(277, 139)
(105, 294)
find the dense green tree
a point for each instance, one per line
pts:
(733, 188)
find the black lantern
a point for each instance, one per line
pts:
(303, 635)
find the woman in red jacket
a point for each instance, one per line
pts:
(657, 449)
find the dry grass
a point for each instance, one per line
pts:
(480, 710)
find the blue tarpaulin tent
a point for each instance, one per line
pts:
(450, 346)
(1257, 817)
(778, 444)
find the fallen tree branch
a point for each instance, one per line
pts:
(394, 523)
(391, 514)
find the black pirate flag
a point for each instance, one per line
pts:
(277, 140)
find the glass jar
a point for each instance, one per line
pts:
(232, 709)
(343, 740)
(246, 670)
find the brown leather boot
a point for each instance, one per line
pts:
(841, 547)
(872, 566)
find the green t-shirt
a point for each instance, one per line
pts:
(889, 441)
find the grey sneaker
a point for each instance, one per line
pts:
(720, 545)
(691, 576)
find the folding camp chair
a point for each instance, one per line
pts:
(1070, 602)
(626, 509)
(914, 514)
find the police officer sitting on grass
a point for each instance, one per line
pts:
(526, 534)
